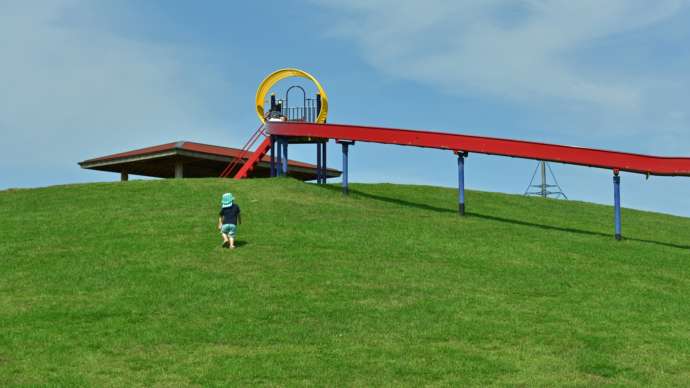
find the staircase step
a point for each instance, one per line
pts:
(254, 159)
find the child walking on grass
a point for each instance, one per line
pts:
(228, 219)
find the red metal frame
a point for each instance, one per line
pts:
(243, 153)
(614, 160)
(254, 159)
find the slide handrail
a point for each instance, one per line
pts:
(244, 152)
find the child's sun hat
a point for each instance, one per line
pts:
(227, 200)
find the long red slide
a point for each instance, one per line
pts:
(614, 160)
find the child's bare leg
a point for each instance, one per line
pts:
(232, 242)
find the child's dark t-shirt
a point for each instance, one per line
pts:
(230, 214)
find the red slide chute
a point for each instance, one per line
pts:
(614, 160)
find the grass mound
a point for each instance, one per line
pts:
(126, 284)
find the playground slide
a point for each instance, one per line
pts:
(613, 160)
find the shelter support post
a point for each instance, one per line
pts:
(179, 170)
(461, 182)
(124, 176)
(617, 203)
(345, 145)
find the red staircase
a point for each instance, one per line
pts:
(252, 158)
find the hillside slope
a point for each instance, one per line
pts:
(126, 284)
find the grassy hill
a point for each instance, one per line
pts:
(126, 284)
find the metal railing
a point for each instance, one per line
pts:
(244, 153)
(308, 113)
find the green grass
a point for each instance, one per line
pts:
(126, 284)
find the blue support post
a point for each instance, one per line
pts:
(280, 157)
(461, 183)
(318, 163)
(279, 152)
(617, 203)
(324, 168)
(346, 188)
(273, 156)
(285, 156)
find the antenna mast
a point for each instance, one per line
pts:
(544, 189)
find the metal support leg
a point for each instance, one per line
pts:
(273, 156)
(346, 189)
(617, 203)
(324, 160)
(318, 163)
(285, 157)
(279, 161)
(461, 183)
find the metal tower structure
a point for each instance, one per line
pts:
(312, 110)
(544, 189)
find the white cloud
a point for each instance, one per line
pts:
(71, 87)
(527, 51)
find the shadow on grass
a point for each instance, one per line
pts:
(422, 206)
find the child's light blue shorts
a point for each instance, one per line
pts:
(229, 229)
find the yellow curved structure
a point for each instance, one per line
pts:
(278, 75)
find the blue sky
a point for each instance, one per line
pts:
(80, 79)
